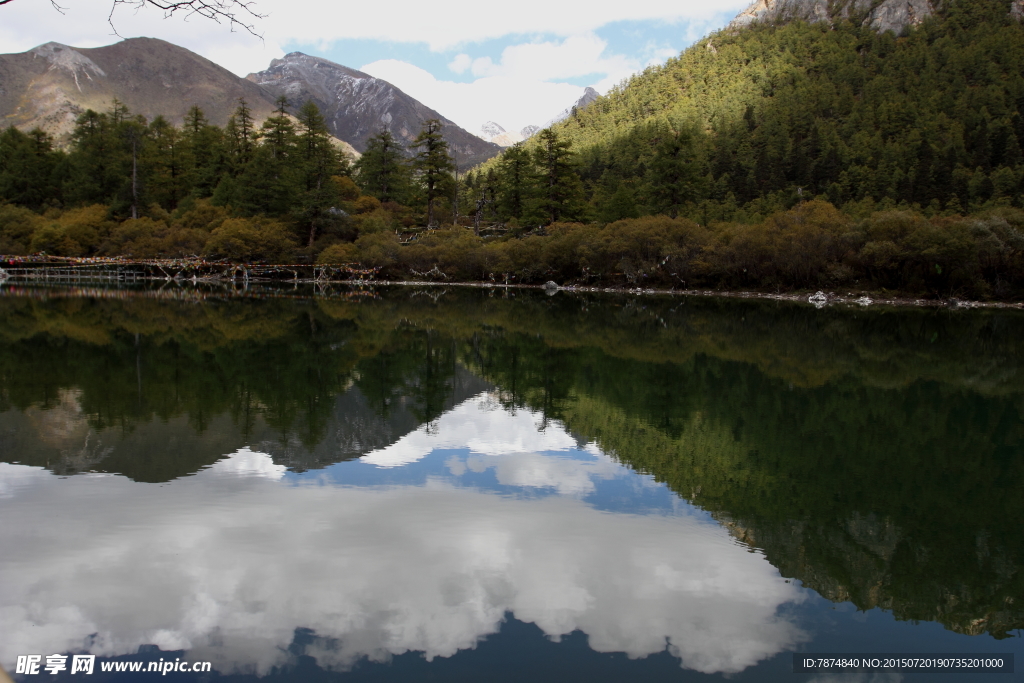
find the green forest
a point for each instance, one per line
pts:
(789, 156)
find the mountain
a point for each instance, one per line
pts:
(589, 95)
(358, 106)
(50, 85)
(493, 132)
(888, 15)
(529, 131)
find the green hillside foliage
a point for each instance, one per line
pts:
(745, 121)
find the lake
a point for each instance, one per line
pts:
(456, 484)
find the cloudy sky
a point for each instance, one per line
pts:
(516, 64)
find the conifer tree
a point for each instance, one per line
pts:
(203, 152)
(320, 161)
(515, 175)
(30, 168)
(167, 166)
(383, 171)
(270, 183)
(434, 165)
(560, 189)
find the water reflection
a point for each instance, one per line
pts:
(402, 474)
(229, 563)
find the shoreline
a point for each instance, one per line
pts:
(861, 299)
(818, 299)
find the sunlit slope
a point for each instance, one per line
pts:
(832, 108)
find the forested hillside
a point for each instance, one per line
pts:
(748, 120)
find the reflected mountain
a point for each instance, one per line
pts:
(875, 455)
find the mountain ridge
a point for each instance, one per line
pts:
(358, 105)
(51, 85)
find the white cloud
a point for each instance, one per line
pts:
(228, 566)
(497, 93)
(460, 63)
(470, 105)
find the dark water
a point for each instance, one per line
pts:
(465, 486)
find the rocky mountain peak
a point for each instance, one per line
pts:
(490, 129)
(589, 95)
(67, 58)
(887, 15)
(358, 106)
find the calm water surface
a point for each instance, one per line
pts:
(460, 485)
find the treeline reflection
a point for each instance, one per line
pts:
(876, 455)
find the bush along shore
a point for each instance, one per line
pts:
(812, 246)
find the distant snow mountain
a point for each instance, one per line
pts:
(493, 132)
(589, 95)
(529, 131)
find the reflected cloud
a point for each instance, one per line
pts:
(567, 475)
(490, 429)
(248, 463)
(228, 563)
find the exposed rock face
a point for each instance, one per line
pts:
(589, 95)
(532, 130)
(358, 106)
(888, 15)
(49, 86)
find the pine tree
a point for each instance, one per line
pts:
(167, 166)
(434, 165)
(515, 176)
(270, 183)
(203, 152)
(97, 162)
(319, 161)
(383, 170)
(559, 187)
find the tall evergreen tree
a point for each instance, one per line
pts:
(320, 161)
(204, 154)
(383, 170)
(167, 164)
(270, 183)
(515, 181)
(560, 191)
(434, 165)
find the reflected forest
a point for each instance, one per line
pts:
(834, 440)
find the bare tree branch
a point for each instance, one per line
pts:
(236, 13)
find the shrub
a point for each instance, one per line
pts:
(17, 225)
(251, 239)
(343, 252)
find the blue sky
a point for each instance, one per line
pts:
(515, 65)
